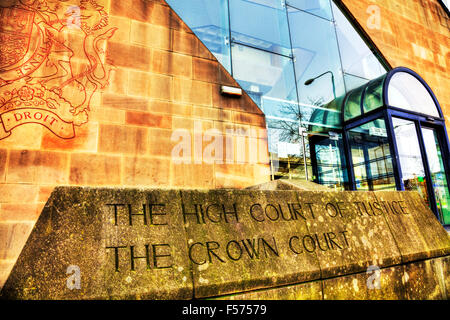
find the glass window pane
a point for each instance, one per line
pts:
(407, 92)
(261, 24)
(263, 76)
(413, 172)
(357, 57)
(438, 175)
(330, 162)
(288, 150)
(372, 160)
(269, 80)
(208, 19)
(353, 82)
(320, 8)
(317, 63)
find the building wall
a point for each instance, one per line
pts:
(413, 34)
(116, 128)
(107, 103)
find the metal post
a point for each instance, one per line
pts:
(301, 131)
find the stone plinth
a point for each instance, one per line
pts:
(241, 244)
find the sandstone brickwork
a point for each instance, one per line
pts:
(103, 102)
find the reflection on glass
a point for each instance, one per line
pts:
(208, 19)
(297, 136)
(321, 120)
(372, 160)
(352, 107)
(289, 151)
(264, 74)
(407, 92)
(353, 82)
(277, 108)
(317, 64)
(328, 161)
(285, 55)
(438, 176)
(287, 155)
(357, 57)
(319, 8)
(261, 24)
(411, 164)
(373, 99)
(372, 93)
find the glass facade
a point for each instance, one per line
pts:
(294, 60)
(260, 24)
(397, 113)
(359, 64)
(335, 113)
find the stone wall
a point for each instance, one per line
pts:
(104, 101)
(413, 34)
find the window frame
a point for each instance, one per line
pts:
(445, 7)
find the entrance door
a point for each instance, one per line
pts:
(421, 164)
(437, 172)
(371, 157)
(328, 161)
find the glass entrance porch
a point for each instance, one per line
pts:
(398, 114)
(334, 112)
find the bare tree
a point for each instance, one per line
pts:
(290, 128)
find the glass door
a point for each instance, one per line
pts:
(437, 171)
(328, 161)
(371, 157)
(421, 164)
(411, 163)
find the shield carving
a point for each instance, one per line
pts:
(16, 25)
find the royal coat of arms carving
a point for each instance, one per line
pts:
(52, 60)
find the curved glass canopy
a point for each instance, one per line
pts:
(395, 138)
(400, 88)
(406, 92)
(326, 118)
